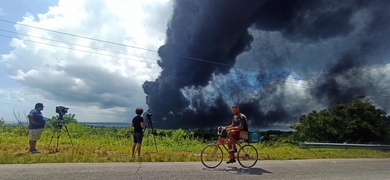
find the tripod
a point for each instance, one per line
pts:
(57, 130)
(150, 123)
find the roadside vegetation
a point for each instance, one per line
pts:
(356, 122)
(113, 144)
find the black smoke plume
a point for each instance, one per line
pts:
(258, 53)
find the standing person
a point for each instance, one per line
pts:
(239, 123)
(138, 124)
(36, 126)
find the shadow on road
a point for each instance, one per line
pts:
(247, 171)
(243, 171)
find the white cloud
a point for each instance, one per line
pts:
(107, 78)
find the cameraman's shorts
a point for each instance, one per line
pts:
(35, 134)
(138, 138)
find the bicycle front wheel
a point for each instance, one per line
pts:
(211, 156)
(247, 156)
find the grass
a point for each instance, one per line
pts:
(104, 144)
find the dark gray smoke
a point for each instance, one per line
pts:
(276, 59)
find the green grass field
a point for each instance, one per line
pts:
(108, 144)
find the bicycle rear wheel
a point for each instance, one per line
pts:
(247, 156)
(211, 156)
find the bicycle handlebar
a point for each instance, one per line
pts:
(220, 130)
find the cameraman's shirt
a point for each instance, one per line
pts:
(38, 118)
(137, 124)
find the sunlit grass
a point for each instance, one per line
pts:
(292, 152)
(112, 145)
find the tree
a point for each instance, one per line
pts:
(357, 122)
(2, 122)
(70, 118)
(67, 118)
(22, 121)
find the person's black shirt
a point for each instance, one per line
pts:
(241, 120)
(137, 124)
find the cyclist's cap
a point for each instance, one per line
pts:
(235, 106)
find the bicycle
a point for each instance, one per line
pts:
(212, 154)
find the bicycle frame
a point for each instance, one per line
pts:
(222, 141)
(213, 151)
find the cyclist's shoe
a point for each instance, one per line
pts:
(231, 161)
(232, 150)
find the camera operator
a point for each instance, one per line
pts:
(36, 125)
(138, 124)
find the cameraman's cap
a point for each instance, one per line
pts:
(37, 105)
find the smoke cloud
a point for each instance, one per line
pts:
(275, 59)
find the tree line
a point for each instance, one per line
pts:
(356, 122)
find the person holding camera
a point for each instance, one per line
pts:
(138, 124)
(36, 126)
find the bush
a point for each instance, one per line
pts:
(356, 122)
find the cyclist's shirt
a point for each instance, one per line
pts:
(241, 120)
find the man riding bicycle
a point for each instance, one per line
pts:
(239, 124)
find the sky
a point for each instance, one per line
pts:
(276, 59)
(187, 62)
(95, 66)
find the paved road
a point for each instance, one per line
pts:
(293, 169)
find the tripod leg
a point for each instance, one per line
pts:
(66, 129)
(147, 139)
(54, 131)
(154, 137)
(155, 144)
(146, 132)
(58, 138)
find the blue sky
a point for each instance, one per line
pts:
(32, 72)
(14, 11)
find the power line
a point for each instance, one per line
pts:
(97, 53)
(271, 78)
(232, 74)
(74, 35)
(277, 78)
(125, 45)
(164, 62)
(73, 44)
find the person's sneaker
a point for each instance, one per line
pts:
(231, 161)
(232, 150)
(35, 151)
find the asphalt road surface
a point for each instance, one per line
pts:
(292, 169)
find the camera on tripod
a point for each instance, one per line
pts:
(61, 110)
(149, 116)
(60, 124)
(150, 124)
